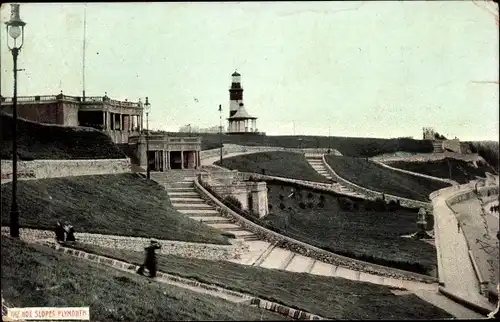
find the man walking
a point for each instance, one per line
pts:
(150, 261)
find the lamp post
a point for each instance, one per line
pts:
(15, 29)
(220, 132)
(147, 109)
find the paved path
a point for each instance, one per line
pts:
(455, 267)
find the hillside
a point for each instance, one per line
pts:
(447, 168)
(368, 174)
(349, 226)
(355, 147)
(275, 163)
(332, 297)
(41, 141)
(37, 276)
(120, 204)
(489, 150)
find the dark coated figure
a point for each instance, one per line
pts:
(150, 261)
(59, 231)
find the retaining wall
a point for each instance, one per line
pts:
(184, 249)
(426, 157)
(410, 203)
(309, 250)
(41, 169)
(235, 148)
(417, 174)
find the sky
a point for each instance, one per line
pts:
(364, 68)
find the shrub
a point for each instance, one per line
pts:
(379, 205)
(282, 206)
(322, 198)
(270, 206)
(302, 205)
(310, 205)
(310, 195)
(321, 204)
(345, 204)
(232, 200)
(281, 197)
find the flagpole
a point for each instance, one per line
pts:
(84, 49)
(220, 132)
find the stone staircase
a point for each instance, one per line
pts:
(316, 161)
(185, 199)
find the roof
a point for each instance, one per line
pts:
(236, 74)
(241, 114)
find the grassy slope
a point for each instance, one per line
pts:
(331, 297)
(37, 141)
(366, 235)
(366, 147)
(277, 163)
(121, 204)
(36, 276)
(370, 175)
(461, 171)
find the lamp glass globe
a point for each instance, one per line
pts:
(15, 32)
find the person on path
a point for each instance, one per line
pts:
(150, 261)
(59, 231)
(458, 226)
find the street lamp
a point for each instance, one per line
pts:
(15, 29)
(147, 109)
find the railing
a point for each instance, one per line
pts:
(53, 98)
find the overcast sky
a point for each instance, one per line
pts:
(377, 69)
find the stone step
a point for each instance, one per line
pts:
(203, 212)
(183, 194)
(187, 200)
(211, 220)
(251, 238)
(181, 189)
(240, 233)
(264, 255)
(225, 227)
(186, 205)
(287, 261)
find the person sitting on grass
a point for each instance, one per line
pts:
(150, 261)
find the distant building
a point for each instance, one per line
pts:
(121, 120)
(239, 120)
(195, 129)
(118, 119)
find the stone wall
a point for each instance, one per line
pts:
(234, 148)
(427, 157)
(405, 202)
(416, 173)
(169, 247)
(41, 169)
(309, 250)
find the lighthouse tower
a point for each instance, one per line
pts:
(239, 120)
(235, 94)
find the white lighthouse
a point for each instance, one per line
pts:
(239, 120)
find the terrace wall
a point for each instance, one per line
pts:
(309, 250)
(169, 247)
(452, 182)
(405, 202)
(426, 157)
(41, 169)
(234, 148)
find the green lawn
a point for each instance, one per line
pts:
(448, 168)
(331, 297)
(365, 147)
(37, 276)
(275, 163)
(38, 141)
(350, 227)
(121, 204)
(368, 174)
